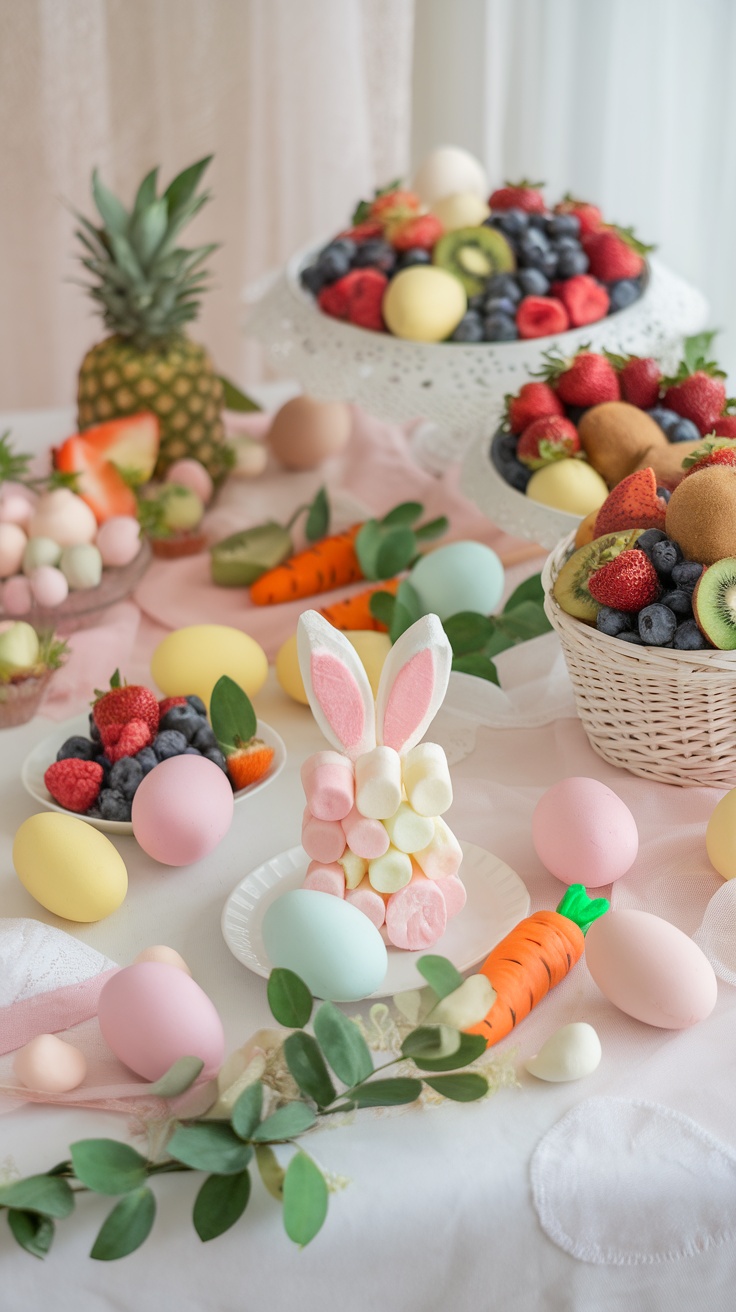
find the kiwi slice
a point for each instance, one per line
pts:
(239, 560)
(714, 603)
(570, 588)
(473, 255)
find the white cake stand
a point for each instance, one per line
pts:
(459, 388)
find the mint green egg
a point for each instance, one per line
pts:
(81, 565)
(40, 551)
(460, 576)
(328, 943)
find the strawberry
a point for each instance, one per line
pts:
(249, 763)
(367, 230)
(585, 300)
(396, 200)
(420, 232)
(725, 426)
(629, 582)
(640, 379)
(589, 215)
(532, 401)
(333, 300)
(357, 296)
(614, 253)
(586, 379)
(122, 705)
(73, 783)
(633, 503)
(131, 444)
(540, 316)
(716, 451)
(97, 481)
(546, 440)
(700, 396)
(522, 195)
(166, 704)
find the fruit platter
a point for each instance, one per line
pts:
(431, 300)
(583, 423)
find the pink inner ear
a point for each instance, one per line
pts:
(409, 699)
(339, 696)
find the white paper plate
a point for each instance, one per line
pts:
(44, 753)
(497, 900)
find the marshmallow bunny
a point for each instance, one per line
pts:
(372, 825)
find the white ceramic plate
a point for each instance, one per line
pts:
(497, 900)
(44, 753)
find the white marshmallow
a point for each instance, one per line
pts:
(390, 872)
(407, 830)
(378, 783)
(427, 779)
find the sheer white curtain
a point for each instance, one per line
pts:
(305, 104)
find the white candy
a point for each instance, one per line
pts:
(390, 872)
(378, 783)
(442, 855)
(407, 830)
(427, 779)
(569, 1054)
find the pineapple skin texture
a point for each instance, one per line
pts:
(176, 381)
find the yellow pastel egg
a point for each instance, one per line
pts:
(720, 836)
(424, 303)
(372, 648)
(191, 660)
(288, 673)
(571, 485)
(69, 867)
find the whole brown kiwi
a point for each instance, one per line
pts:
(666, 461)
(701, 515)
(615, 436)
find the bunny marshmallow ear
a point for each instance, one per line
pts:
(413, 684)
(336, 685)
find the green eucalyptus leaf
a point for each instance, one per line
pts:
(285, 1123)
(318, 517)
(305, 1199)
(367, 545)
(403, 515)
(408, 597)
(468, 631)
(108, 1166)
(530, 590)
(434, 528)
(471, 1047)
(289, 998)
(307, 1066)
(127, 1227)
(475, 663)
(381, 606)
(386, 1093)
(234, 399)
(440, 974)
(527, 620)
(47, 1194)
(247, 1111)
(401, 620)
(209, 1146)
(271, 1172)
(499, 641)
(232, 716)
(460, 1088)
(432, 1041)
(33, 1232)
(342, 1044)
(395, 552)
(178, 1078)
(220, 1202)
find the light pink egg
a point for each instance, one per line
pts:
(649, 969)
(152, 1013)
(50, 1065)
(17, 503)
(48, 585)
(17, 597)
(190, 473)
(119, 540)
(12, 545)
(182, 810)
(583, 833)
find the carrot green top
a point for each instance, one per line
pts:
(581, 909)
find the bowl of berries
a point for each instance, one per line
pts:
(645, 610)
(431, 302)
(93, 764)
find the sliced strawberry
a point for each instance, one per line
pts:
(249, 763)
(74, 784)
(541, 316)
(633, 503)
(98, 482)
(131, 444)
(585, 300)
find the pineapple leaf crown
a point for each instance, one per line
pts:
(146, 286)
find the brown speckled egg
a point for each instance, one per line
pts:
(305, 432)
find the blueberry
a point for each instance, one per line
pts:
(415, 255)
(657, 624)
(477, 302)
(94, 732)
(503, 284)
(679, 601)
(612, 622)
(570, 263)
(538, 222)
(313, 279)
(664, 493)
(214, 754)
(184, 718)
(125, 775)
(499, 327)
(532, 282)
(688, 637)
(204, 738)
(192, 751)
(622, 293)
(197, 704)
(563, 225)
(629, 636)
(81, 749)
(147, 759)
(469, 329)
(664, 555)
(106, 764)
(500, 305)
(683, 431)
(503, 455)
(664, 417)
(333, 263)
(510, 222)
(375, 255)
(169, 743)
(113, 805)
(648, 539)
(575, 413)
(686, 573)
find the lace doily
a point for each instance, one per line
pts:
(35, 958)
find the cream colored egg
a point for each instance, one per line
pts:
(63, 516)
(192, 659)
(372, 648)
(463, 210)
(720, 836)
(448, 170)
(251, 456)
(49, 1065)
(424, 304)
(169, 956)
(570, 1053)
(69, 867)
(304, 432)
(570, 485)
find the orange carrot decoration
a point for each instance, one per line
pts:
(331, 563)
(355, 612)
(537, 954)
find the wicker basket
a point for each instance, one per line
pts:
(662, 714)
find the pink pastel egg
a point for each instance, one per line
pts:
(583, 833)
(17, 597)
(12, 545)
(17, 503)
(190, 473)
(50, 1065)
(152, 1013)
(649, 969)
(182, 810)
(48, 585)
(119, 540)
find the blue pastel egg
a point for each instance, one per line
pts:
(460, 576)
(328, 943)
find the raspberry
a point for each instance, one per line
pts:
(129, 740)
(540, 316)
(585, 300)
(366, 297)
(73, 783)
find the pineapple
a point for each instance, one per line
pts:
(148, 288)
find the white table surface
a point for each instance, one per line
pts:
(438, 1211)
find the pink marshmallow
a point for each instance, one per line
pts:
(366, 837)
(441, 857)
(453, 891)
(322, 840)
(325, 878)
(416, 916)
(329, 787)
(367, 900)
